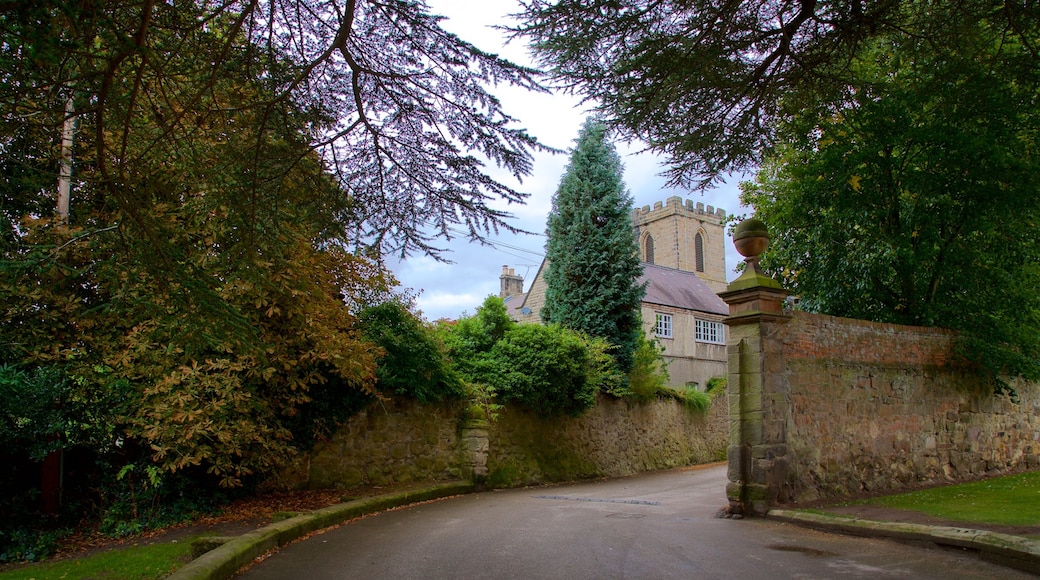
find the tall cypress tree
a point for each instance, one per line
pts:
(592, 255)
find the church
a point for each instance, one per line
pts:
(682, 248)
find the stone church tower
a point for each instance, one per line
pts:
(685, 237)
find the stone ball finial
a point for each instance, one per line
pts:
(751, 238)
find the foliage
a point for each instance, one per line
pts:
(545, 368)
(649, 373)
(144, 497)
(25, 545)
(396, 106)
(483, 398)
(226, 157)
(705, 82)
(471, 338)
(716, 386)
(602, 370)
(913, 198)
(414, 361)
(695, 400)
(592, 262)
(550, 369)
(41, 410)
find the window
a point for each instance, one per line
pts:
(649, 250)
(698, 251)
(663, 327)
(708, 331)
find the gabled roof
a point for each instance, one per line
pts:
(680, 289)
(514, 303)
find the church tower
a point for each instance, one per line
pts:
(685, 237)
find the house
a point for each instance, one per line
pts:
(684, 264)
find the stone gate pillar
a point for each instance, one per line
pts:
(756, 387)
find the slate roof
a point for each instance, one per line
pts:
(514, 303)
(670, 287)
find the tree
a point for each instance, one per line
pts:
(914, 200)
(705, 82)
(229, 158)
(397, 107)
(592, 263)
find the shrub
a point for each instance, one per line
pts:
(716, 386)
(414, 361)
(545, 368)
(603, 371)
(470, 340)
(649, 373)
(695, 400)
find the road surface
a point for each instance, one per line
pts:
(660, 525)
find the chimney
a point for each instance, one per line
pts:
(511, 284)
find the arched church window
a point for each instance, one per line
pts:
(698, 251)
(649, 250)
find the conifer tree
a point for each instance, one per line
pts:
(592, 257)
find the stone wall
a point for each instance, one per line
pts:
(614, 438)
(879, 407)
(393, 441)
(824, 407)
(403, 441)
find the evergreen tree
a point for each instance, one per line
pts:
(706, 83)
(592, 256)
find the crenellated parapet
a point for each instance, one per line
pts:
(675, 205)
(684, 235)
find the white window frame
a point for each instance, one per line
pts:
(663, 325)
(709, 331)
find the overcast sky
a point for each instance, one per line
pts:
(450, 290)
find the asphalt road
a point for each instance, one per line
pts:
(660, 525)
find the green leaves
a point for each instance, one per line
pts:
(544, 367)
(592, 262)
(414, 362)
(706, 83)
(549, 369)
(912, 197)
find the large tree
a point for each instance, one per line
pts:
(592, 258)
(705, 81)
(915, 197)
(399, 110)
(239, 169)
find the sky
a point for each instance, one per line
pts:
(450, 290)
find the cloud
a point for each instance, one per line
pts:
(448, 290)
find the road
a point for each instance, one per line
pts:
(659, 525)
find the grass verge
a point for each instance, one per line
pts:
(142, 562)
(1012, 500)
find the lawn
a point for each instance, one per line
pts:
(1012, 500)
(148, 562)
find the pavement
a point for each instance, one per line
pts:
(228, 555)
(1013, 551)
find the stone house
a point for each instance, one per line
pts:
(684, 265)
